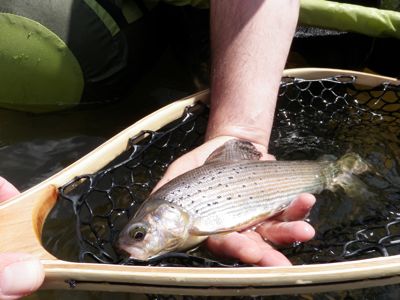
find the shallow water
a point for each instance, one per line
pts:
(345, 224)
(28, 163)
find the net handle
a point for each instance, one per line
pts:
(22, 218)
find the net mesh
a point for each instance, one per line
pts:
(314, 117)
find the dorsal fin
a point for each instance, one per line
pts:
(234, 150)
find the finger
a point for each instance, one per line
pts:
(236, 245)
(283, 233)
(267, 156)
(274, 258)
(20, 275)
(7, 190)
(248, 247)
(269, 256)
(299, 208)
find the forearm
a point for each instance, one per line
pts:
(250, 42)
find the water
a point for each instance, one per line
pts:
(29, 163)
(339, 219)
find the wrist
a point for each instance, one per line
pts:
(252, 134)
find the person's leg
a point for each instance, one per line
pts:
(37, 69)
(56, 54)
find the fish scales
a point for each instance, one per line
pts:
(243, 191)
(233, 190)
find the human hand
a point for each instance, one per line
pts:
(7, 190)
(256, 246)
(20, 274)
(251, 246)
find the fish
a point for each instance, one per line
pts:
(233, 190)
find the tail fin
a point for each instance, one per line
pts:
(354, 187)
(353, 163)
(345, 169)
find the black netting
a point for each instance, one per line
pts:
(314, 117)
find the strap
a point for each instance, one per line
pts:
(112, 7)
(103, 14)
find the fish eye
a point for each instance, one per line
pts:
(138, 233)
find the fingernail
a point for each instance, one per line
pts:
(309, 230)
(21, 278)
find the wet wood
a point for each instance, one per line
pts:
(21, 221)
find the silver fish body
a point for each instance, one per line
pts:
(232, 191)
(227, 196)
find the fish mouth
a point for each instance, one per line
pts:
(139, 255)
(134, 252)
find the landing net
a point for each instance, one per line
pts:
(314, 117)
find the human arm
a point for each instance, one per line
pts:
(250, 41)
(20, 274)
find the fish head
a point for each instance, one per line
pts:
(158, 227)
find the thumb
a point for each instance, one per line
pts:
(20, 275)
(7, 190)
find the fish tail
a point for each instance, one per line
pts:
(343, 174)
(353, 163)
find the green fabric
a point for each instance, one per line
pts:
(349, 17)
(38, 72)
(130, 11)
(104, 16)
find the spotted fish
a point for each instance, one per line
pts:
(232, 191)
